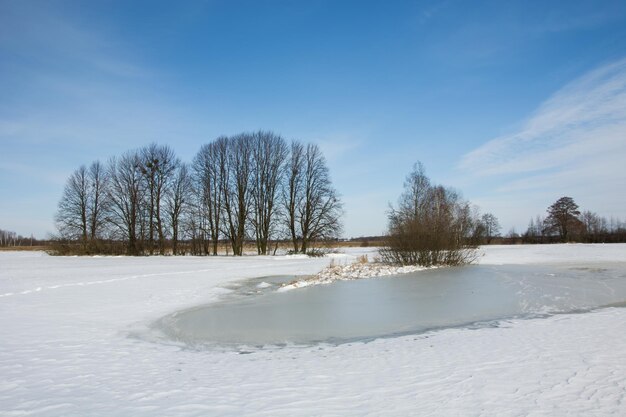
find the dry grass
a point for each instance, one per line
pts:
(224, 248)
(362, 260)
(24, 248)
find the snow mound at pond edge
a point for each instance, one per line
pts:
(356, 270)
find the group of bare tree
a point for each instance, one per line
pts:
(12, 239)
(259, 185)
(566, 223)
(433, 225)
(251, 186)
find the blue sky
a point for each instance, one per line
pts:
(514, 103)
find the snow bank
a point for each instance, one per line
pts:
(69, 348)
(356, 270)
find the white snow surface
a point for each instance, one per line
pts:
(551, 254)
(66, 348)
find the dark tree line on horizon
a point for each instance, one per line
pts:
(257, 188)
(248, 187)
(433, 225)
(10, 239)
(566, 223)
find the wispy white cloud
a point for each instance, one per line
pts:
(432, 10)
(43, 37)
(586, 119)
(71, 84)
(587, 17)
(337, 146)
(72, 94)
(55, 178)
(574, 143)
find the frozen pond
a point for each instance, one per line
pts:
(479, 295)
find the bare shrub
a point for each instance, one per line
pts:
(431, 226)
(316, 253)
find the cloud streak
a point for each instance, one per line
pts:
(573, 144)
(72, 94)
(585, 119)
(42, 38)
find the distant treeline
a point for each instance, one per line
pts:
(249, 188)
(256, 190)
(11, 239)
(566, 223)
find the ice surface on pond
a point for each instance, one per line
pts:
(405, 304)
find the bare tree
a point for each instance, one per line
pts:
(535, 231)
(210, 173)
(126, 193)
(195, 228)
(292, 191)
(269, 152)
(313, 209)
(82, 208)
(320, 209)
(312, 206)
(157, 166)
(72, 218)
(532, 231)
(491, 226)
(98, 200)
(8, 238)
(595, 227)
(417, 190)
(177, 201)
(237, 190)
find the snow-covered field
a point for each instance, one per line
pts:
(68, 347)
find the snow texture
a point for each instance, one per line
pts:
(74, 343)
(362, 268)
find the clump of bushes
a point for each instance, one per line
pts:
(432, 225)
(316, 253)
